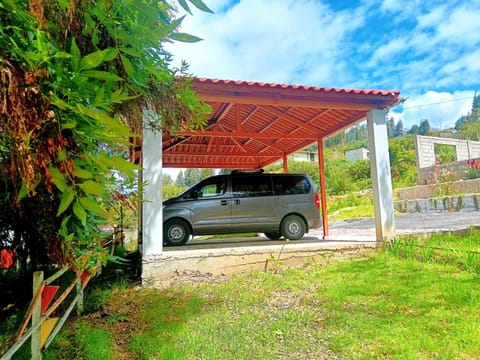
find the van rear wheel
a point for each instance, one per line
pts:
(293, 227)
(273, 235)
(176, 232)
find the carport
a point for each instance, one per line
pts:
(255, 124)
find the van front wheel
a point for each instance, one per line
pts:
(293, 227)
(176, 232)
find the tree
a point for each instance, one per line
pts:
(357, 132)
(413, 130)
(469, 125)
(402, 160)
(390, 127)
(398, 131)
(336, 139)
(167, 179)
(77, 75)
(461, 121)
(189, 177)
(424, 128)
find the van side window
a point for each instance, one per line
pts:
(285, 185)
(210, 188)
(248, 186)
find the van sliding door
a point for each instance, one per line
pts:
(253, 203)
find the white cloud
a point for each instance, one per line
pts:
(461, 26)
(432, 18)
(386, 52)
(270, 41)
(442, 109)
(427, 50)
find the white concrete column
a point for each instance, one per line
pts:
(152, 216)
(381, 175)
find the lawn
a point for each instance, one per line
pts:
(397, 304)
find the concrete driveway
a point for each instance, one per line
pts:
(204, 258)
(355, 230)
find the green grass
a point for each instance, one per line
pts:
(350, 206)
(91, 343)
(390, 305)
(461, 249)
(362, 211)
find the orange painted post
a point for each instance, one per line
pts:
(285, 163)
(323, 187)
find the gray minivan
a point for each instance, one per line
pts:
(278, 205)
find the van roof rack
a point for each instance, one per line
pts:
(253, 171)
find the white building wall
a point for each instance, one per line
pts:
(357, 154)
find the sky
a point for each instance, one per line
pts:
(429, 50)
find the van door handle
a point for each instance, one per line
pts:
(223, 202)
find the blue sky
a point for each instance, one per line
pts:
(429, 50)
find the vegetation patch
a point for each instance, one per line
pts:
(411, 300)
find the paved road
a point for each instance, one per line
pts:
(418, 222)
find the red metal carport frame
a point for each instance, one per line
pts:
(254, 124)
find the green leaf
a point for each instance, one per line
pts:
(199, 4)
(131, 51)
(184, 5)
(101, 75)
(98, 115)
(129, 69)
(90, 205)
(22, 192)
(64, 3)
(76, 55)
(61, 104)
(96, 58)
(69, 125)
(185, 37)
(119, 96)
(61, 155)
(121, 164)
(92, 187)
(58, 178)
(110, 54)
(63, 231)
(80, 213)
(83, 174)
(65, 200)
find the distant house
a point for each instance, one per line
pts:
(448, 133)
(357, 154)
(304, 155)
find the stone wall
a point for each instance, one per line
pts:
(425, 156)
(469, 202)
(173, 267)
(463, 195)
(440, 189)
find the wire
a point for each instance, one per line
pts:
(437, 103)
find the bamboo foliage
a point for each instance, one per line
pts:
(73, 78)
